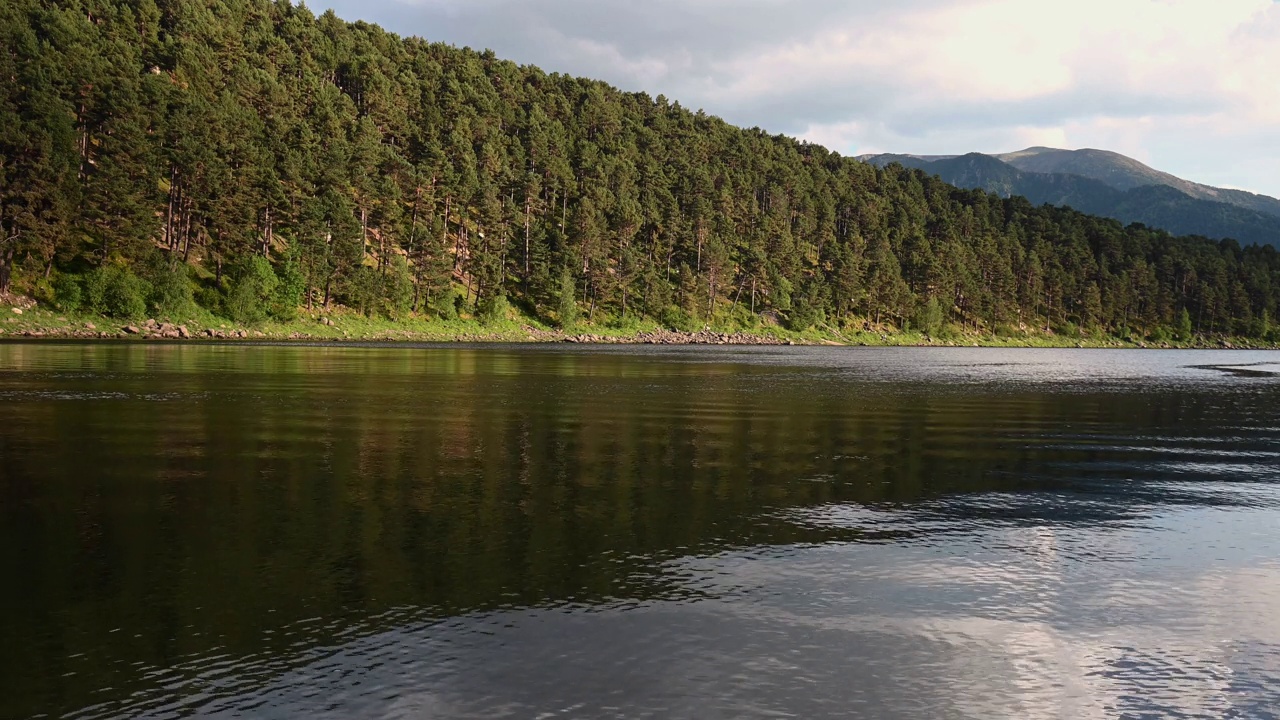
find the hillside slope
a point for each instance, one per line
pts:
(1128, 194)
(250, 157)
(1125, 173)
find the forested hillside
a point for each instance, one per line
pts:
(254, 158)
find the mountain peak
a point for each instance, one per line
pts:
(1107, 183)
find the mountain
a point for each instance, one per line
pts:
(1105, 183)
(1125, 173)
(249, 157)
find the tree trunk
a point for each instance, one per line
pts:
(413, 249)
(268, 234)
(711, 294)
(6, 264)
(526, 244)
(364, 234)
(170, 232)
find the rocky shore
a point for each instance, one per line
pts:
(328, 330)
(666, 337)
(25, 320)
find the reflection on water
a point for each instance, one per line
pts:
(491, 532)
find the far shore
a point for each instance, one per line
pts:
(36, 323)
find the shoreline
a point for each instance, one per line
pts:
(37, 324)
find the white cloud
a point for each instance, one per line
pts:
(1186, 85)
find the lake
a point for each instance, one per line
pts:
(637, 532)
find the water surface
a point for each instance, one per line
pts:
(466, 532)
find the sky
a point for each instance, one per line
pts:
(1191, 87)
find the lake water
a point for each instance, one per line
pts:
(535, 532)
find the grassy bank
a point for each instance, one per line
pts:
(35, 322)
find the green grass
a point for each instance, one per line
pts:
(516, 327)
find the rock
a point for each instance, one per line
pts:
(183, 332)
(166, 327)
(90, 326)
(131, 330)
(17, 311)
(150, 323)
(210, 332)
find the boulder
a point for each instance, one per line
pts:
(17, 311)
(131, 330)
(183, 332)
(90, 326)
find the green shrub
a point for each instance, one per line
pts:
(567, 303)
(928, 317)
(493, 307)
(253, 288)
(209, 298)
(1261, 327)
(397, 288)
(1183, 330)
(67, 293)
(804, 316)
(446, 303)
(115, 291)
(628, 322)
(363, 290)
(677, 318)
(289, 292)
(171, 291)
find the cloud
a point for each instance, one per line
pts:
(1185, 85)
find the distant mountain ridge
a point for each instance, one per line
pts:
(1109, 184)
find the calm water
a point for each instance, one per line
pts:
(464, 532)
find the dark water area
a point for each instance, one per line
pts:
(488, 532)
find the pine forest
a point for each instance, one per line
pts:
(253, 160)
